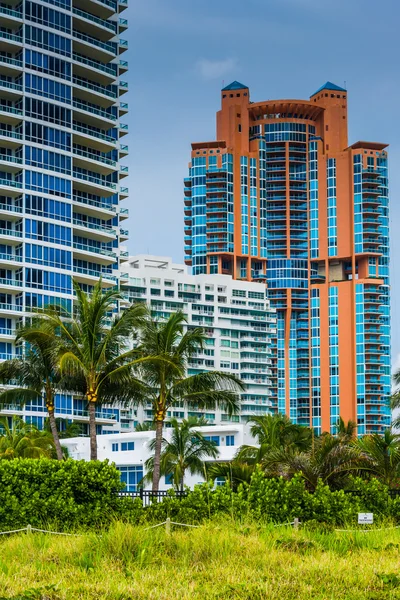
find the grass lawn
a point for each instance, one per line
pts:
(218, 560)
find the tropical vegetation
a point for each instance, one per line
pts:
(185, 451)
(24, 440)
(168, 382)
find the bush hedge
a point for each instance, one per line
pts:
(78, 494)
(65, 494)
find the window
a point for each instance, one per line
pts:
(114, 447)
(125, 446)
(230, 440)
(131, 476)
(212, 438)
(169, 479)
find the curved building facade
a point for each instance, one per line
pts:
(61, 143)
(281, 197)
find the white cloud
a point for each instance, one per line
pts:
(215, 69)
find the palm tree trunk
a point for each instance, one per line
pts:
(92, 430)
(157, 456)
(182, 483)
(53, 427)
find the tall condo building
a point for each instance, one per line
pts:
(60, 151)
(281, 197)
(238, 322)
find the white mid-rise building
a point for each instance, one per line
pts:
(129, 451)
(239, 325)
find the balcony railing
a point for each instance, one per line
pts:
(11, 36)
(111, 25)
(94, 273)
(95, 180)
(100, 89)
(11, 232)
(96, 134)
(95, 203)
(93, 110)
(94, 249)
(13, 257)
(107, 46)
(10, 158)
(12, 134)
(11, 183)
(8, 306)
(93, 156)
(11, 84)
(11, 208)
(11, 61)
(89, 225)
(95, 64)
(9, 11)
(7, 281)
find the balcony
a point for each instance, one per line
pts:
(123, 234)
(122, 87)
(82, 274)
(9, 42)
(93, 47)
(124, 192)
(102, 231)
(11, 185)
(87, 88)
(8, 307)
(8, 282)
(96, 159)
(94, 208)
(100, 8)
(100, 141)
(94, 26)
(104, 73)
(103, 254)
(91, 184)
(11, 235)
(123, 213)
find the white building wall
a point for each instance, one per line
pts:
(133, 461)
(238, 321)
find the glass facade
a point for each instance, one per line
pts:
(61, 88)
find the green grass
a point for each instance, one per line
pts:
(217, 560)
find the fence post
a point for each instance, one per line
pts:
(296, 523)
(168, 526)
(29, 529)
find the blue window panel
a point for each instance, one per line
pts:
(213, 438)
(169, 479)
(131, 475)
(230, 440)
(115, 447)
(125, 446)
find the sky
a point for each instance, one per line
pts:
(181, 53)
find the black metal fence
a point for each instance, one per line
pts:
(148, 497)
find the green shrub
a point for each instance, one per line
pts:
(69, 493)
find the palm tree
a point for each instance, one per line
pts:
(168, 383)
(186, 451)
(234, 472)
(35, 374)
(345, 431)
(395, 401)
(330, 460)
(274, 432)
(95, 350)
(23, 440)
(382, 454)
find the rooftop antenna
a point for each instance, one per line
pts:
(345, 87)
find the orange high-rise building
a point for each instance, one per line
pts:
(282, 197)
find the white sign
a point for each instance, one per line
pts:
(365, 518)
